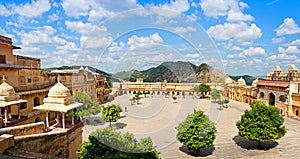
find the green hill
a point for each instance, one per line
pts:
(175, 72)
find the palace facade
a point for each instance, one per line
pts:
(279, 88)
(25, 89)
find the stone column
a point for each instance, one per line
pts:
(63, 119)
(19, 117)
(72, 117)
(5, 114)
(47, 121)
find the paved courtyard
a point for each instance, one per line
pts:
(158, 116)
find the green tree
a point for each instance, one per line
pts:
(145, 93)
(196, 131)
(107, 143)
(174, 99)
(262, 123)
(203, 88)
(226, 101)
(111, 113)
(220, 102)
(89, 107)
(215, 94)
(137, 98)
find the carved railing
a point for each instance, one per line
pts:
(35, 86)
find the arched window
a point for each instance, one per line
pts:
(261, 95)
(282, 98)
(36, 101)
(271, 99)
(38, 119)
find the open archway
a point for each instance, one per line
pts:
(36, 101)
(38, 119)
(271, 99)
(262, 95)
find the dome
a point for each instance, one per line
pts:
(59, 90)
(292, 68)
(241, 81)
(228, 80)
(254, 83)
(6, 89)
(277, 69)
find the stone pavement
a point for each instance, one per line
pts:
(158, 116)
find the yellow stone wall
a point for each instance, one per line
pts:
(74, 142)
(53, 143)
(27, 129)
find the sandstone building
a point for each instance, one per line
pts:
(27, 116)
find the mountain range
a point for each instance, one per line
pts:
(174, 72)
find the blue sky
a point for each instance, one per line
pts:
(234, 36)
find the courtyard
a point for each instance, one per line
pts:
(157, 116)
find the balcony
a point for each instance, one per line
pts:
(35, 86)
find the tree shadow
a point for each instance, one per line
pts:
(203, 152)
(253, 145)
(93, 121)
(120, 125)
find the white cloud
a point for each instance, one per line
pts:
(278, 40)
(236, 48)
(33, 9)
(142, 42)
(214, 8)
(193, 56)
(83, 28)
(241, 32)
(289, 26)
(282, 57)
(4, 11)
(289, 50)
(253, 51)
(30, 10)
(295, 42)
(258, 61)
(182, 30)
(234, 16)
(230, 8)
(76, 8)
(52, 18)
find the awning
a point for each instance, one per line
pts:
(273, 83)
(57, 107)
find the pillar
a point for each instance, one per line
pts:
(72, 117)
(19, 117)
(5, 114)
(47, 121)
(63, 119)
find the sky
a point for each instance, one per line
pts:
(235, 36)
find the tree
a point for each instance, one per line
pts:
(111, 113)
(145, 93)
(226, 101)
(203, 88)
(196, 131)
(174, 99)
(137, 98)
(262, 123)
(220, 102)
(108, 143)
(215, 94)
(89, 106)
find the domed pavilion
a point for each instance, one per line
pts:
(59, 100)
(8, 100)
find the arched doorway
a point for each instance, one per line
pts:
(271, 99)
(297, 112)
(261, 95)
(36, 101)
(38, 119)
